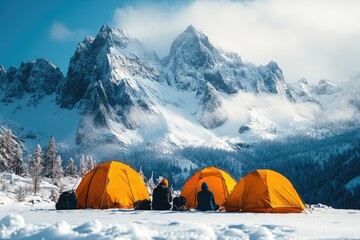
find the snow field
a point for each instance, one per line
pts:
(47, 223)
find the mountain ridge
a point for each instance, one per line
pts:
(120, 91)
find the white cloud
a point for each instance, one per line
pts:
(60, 32)
(276, 109)
(310, 38)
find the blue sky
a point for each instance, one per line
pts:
(28, 28)
(314, 39)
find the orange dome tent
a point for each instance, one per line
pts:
(220, 183)
(111, 185)
(264, 191)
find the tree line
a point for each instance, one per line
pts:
(318, 168)
(40, 163)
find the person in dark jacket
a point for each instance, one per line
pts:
(161, 198)
(206, 199)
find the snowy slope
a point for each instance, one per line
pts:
(36, 124)
(39, 222)
(353, 183)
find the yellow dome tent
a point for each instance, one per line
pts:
(219, 182)
(111, 185)
(264, 191)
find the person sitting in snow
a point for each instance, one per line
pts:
(206, 199)
(161, 198)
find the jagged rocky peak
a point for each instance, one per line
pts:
(325, 87)
(275, 70)
(107, 80)
(39, 78)
(303, 81)
(111, 57)
(40, 74)
(2, 75)
(302, 85)
(84, 45)
(2, 70)
(194, 61)
(112, 36)
(301, 90)
(273, 78)
(192, 48)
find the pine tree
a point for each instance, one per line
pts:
(17, 165)
(142, 175)
(90, 163)
(36, 167)
(49, 158)
(70, 170)
(8, 146)
(57, 170)
(21, 193)
(150, 183)
(3, 158)
(82, 166)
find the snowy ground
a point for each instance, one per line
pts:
(36, 218)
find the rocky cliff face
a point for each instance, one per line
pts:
(37, 78)
(303, 91)
(194, 61)
(105, 78)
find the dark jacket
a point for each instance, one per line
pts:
(161, 199)
(206, 199)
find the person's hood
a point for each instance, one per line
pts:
(204, 186)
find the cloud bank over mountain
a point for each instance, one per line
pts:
(311, 39)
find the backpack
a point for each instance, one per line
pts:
(142, 205)
(67, 200)
(179, 203)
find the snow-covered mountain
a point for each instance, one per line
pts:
(194, 61)
(36, 79)
(305, 92)
(118, 95)
(124, 90)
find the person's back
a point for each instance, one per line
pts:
(161, 199)
(206, 199)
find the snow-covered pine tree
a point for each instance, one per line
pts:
(8, 146)
(90, 163)
(150, 183)
(49, 158)
(54, 195)
(82, 166)
(35, 168)
(142, 174)
(57, 170)
(70, 170)
(21, 193)
(17, 166)
(3, 158)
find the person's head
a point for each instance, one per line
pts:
(204, 186)
(164, 182)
